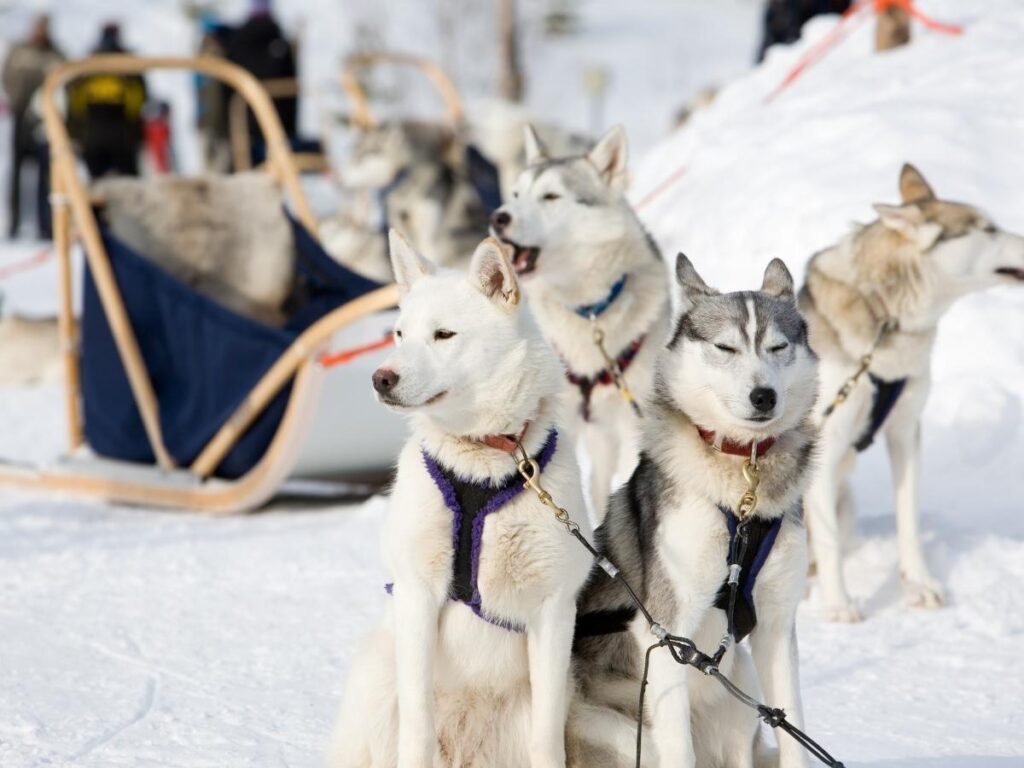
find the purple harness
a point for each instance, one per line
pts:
(470, 503)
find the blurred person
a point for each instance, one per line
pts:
(260, 46)
(784, 19)
(105, 114)
(24, 70)
(212, 97)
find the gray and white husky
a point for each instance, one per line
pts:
(471, 664)
(902, 271)
(414, 174)
(737, 376)
(581, 252)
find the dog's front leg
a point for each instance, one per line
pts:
(903, 439)
(549, 640)
(775, 656)
(668, 702)
(416, 617)
(822, 508)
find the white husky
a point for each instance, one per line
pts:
(881, 291)
(471, 665)
(587, 264)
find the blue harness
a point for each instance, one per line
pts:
(883, 400)
(750, 543)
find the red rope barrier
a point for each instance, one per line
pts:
(37, 259)
(663, 185)
(348, 355)
(842, 29)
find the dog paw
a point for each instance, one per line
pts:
(843, 614)
(924, 592)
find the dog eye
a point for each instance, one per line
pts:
(441, 334)
(398, 333)
(990, 229)
(779, 347)
(551, 196)
(726, 348)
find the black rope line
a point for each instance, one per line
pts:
(685, 652)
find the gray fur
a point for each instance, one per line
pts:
(226, 236)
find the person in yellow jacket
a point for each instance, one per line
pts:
(105, 114)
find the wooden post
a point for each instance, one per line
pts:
(893, 29)
(511, 85)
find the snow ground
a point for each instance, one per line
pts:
(136, 638)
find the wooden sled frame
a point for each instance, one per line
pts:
(192, 487)
(362, 114)
(238, 129)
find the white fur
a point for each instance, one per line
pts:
(585, 247)
(437, 685)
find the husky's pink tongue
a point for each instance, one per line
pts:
(525, 259)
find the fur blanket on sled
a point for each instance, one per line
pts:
(226, 236)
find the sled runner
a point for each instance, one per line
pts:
(173, 398)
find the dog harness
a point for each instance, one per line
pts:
(587, 384)
(471, 502)
(757, 537)
(883, 400)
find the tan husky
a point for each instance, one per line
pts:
(873, 303)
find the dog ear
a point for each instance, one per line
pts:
(910, 222)
(609, 157)
(534, 148)
(693, 285)
(913, 187)
(491, 273)
(408, 265)
(778, 281)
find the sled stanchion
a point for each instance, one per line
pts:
(67, 326)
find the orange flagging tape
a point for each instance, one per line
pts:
(347, 355)
(842, 30)
(39, 257)
(665, 183)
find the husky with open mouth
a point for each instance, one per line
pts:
(873, 303)
(733, 394)
(471, 664)
(588, 267)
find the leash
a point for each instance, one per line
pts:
(683, 650)
(888, 326)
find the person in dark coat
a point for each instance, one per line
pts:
(105, 114)
(24, 70)
(784, 19)
(260, 47)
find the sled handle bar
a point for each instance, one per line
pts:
(362, 114)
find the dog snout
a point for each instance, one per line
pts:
(763, 398)
(500, 219)
(384, 380)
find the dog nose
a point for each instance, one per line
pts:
(763, 398)
(384, 380)
(500, 219)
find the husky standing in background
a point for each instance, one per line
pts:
(873, 302)
(736, 381)
(421, 181)
(588, 265)
(471, 665)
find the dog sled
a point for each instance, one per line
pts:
(174, 399)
